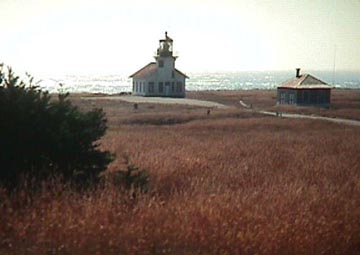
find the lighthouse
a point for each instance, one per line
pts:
(160, 78)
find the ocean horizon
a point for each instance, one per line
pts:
(200, 81)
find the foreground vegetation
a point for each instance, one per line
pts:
(41, 137)
(227, 183)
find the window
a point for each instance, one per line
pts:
(151, 87)
(173, 87)
(282, 97)
(323, 97)
(133, 87)
(167, 88)
(161, 63)
(306, 96)
(291, 98)
(173, 74)
(161, 87)
(313, 96)
(179, 86)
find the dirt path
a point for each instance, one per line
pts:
(300, 116)
(210, 104)
(161, 100)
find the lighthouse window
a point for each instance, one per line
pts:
(161, 63)
(161, 87)
(179, 86)
(151, 87)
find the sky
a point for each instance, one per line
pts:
(50, 37)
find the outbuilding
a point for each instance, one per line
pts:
(160, 78)
(304, 90)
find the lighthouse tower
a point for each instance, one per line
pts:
(165, 59)
(160, 78)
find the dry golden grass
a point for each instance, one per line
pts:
(232, 182)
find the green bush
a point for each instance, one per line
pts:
(41, 137)
(129, 178)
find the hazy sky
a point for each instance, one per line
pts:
(110, 37)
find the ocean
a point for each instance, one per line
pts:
(114, 84)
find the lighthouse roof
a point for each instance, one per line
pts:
(144, 72)
(181, 73)
(167, 38)
(150, 69)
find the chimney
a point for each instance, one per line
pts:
(298, 72)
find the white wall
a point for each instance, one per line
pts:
(165, 74)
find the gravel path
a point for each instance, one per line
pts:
(161, 100)
(300, 116)
(209, 104)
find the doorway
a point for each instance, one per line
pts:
(167, 88)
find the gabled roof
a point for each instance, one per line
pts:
(181, 73)
(150, 69)
(144, 72)
(305, 81)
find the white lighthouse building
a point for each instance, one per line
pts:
(160, 78)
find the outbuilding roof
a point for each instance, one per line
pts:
(305, 81)
(150, 69)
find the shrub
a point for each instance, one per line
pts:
(41, 137)
(129, 177)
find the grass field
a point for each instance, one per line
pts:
(232, 182)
